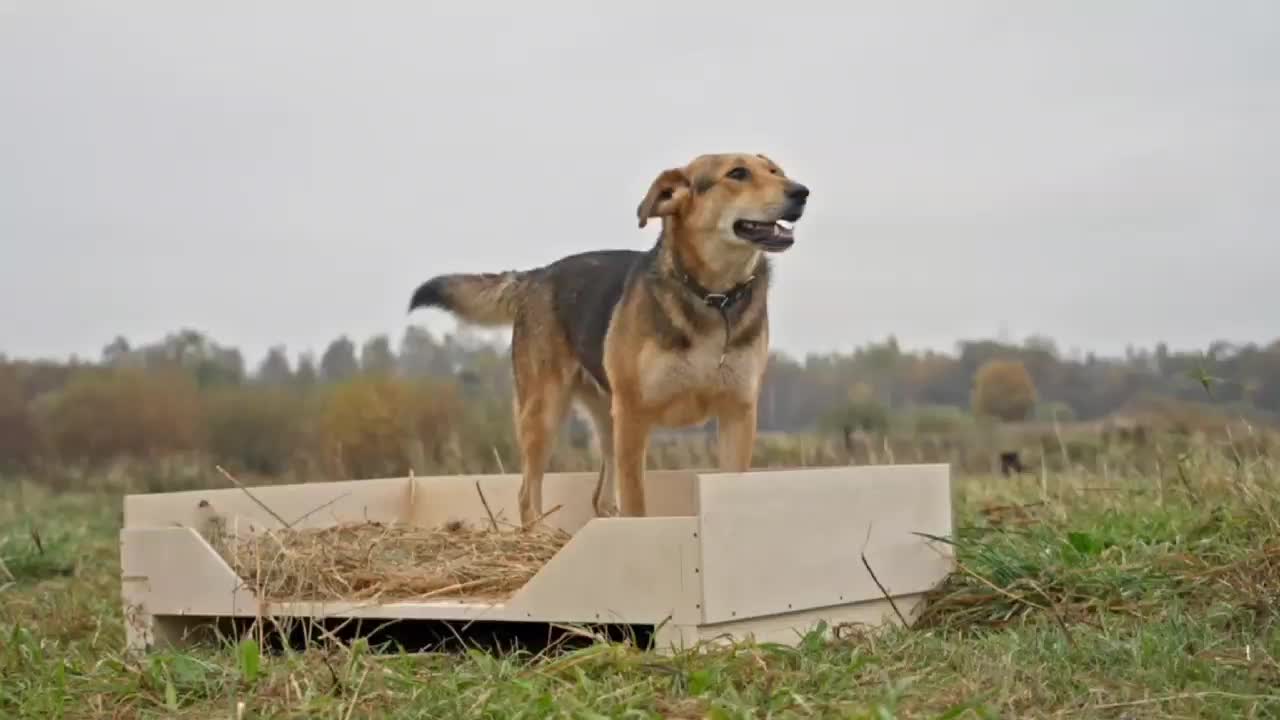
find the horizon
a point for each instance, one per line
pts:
(500, 340)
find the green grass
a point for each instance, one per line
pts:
(1144, 598)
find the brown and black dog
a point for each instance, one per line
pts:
(668, 337)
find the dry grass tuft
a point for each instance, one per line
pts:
(1251, 581)
(376, 561)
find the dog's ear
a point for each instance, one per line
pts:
(668, 192)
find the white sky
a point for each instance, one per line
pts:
(285, 172)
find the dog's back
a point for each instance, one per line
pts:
(585, 289)
(580, 290)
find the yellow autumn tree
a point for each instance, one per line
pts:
(373, 424)
(1003, 389)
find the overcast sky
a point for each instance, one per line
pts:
(284, 172)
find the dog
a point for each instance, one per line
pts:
(668, 337)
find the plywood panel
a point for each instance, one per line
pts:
(628, 570)
(790, 628)
(444, 499)
(398, 610)
(439, 500)
(174, 571)
(783, 541)
(301, 505)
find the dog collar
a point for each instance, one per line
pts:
(720, 301)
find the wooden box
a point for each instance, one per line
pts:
(764, 554)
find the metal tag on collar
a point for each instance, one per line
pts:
(716, 300)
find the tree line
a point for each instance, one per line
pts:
(443, 403)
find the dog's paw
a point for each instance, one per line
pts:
(606, 510)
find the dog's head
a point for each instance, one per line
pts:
(741, 200)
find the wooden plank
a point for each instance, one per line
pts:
(426, 501)
(788, 541)
(790, 628)
(174, 571)
(302, 505)
(623, 570)
(439, 500)
(397, 610)
(445, 499)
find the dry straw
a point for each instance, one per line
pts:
(377, 561)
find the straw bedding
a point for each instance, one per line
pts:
(377, 561)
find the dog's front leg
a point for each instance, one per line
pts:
(630, 442)
(736, 428)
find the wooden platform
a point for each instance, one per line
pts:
(766, 554)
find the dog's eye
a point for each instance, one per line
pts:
(739, 173)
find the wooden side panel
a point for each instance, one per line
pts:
(442, 499)
(626, 570)
(454, 498)
(425, 501)
(670, 493)
(301, 505)
(790, 628)
(174, 571)
(398, 610)
(792, 540)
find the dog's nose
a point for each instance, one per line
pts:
(797, 192)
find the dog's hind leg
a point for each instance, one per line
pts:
(596, 404)
(539, 413)
(541, 402)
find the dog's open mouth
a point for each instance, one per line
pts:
(772, 236)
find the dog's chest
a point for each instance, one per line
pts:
(685, 385)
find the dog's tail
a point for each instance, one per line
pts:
(478, 298)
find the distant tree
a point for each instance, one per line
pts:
(1041, 343)
(125, 412)
(376, 357)
(306, 376)
(339, 361)
(275, 369)
(18, 434)
(421, 356)
(938, 419)
(861, 412)
(254, 429)
(116, 352)
(1003, 389)
(209, 363)
(857, 416)
(367, 423)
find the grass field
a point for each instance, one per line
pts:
(1079, 596)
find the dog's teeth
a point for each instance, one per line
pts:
(786, 225)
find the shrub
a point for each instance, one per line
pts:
(124, 412)
(937, 420)
(258, 430)
(19, 437)
(379, 425)
(1003, 389)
